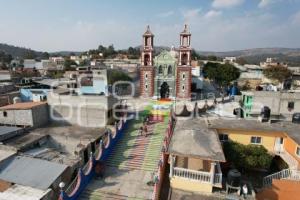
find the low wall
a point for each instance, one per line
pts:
(86, 174)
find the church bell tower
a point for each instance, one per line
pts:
(146, 69)
(184, 76)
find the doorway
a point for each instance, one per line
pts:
(279, 145)
(164, 90)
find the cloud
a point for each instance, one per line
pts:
(166, 14)
(189, 15)
(212, 14)
(265, 3)
(226, 3)
(296, 18)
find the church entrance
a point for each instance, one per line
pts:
(164, 90)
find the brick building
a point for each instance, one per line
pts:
(168, 75)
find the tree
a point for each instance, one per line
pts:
(195, 55)
(247, 156)
(117, 75)
(29, 54)
(68, 65)
(45, 55)
(223, 74)
(278, 73)
(212, 58)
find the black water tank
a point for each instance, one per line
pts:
(265, 113)
(238, 112)
(234, 178)
(296, 118)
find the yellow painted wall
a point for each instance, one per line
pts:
(192, 186)
(244, 137)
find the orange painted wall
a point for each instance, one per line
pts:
(290, 146)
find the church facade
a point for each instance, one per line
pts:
(168, 75)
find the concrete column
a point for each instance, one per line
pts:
(212, 172)
(171, 165)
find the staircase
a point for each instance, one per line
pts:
(139, 152)
(289, 174)
(290, 160)
(98, 195)
(132, 163)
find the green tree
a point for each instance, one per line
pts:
(223, 74)
(247, 156)
(29, 54)
(45, 55)
(68, 65)
(117, 75)
(278, 73)
(212, 58)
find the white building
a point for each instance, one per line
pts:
(229, 60)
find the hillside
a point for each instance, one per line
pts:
(255, 56)
(17, 51)
(289, 55)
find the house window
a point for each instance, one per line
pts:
(183, 76)
(255, 140)
(183, 88)
(298, 151)
(146, 76)
(223, 137)
(4, 114)
(291, 105)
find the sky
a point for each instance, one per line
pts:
(216, 25)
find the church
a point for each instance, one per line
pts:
(168, 75)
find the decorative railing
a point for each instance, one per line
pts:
(192, 174)
(218, 178)
(87, 172)
(284, 174)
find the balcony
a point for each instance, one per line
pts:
(214, 177)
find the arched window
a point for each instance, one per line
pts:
(160, 69)
(147, 60)
(184, 59)
(170, 70)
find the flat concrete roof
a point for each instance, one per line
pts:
(35, 173)
(6, 153)
(291, 129)
(22, 106)
(23, 141)
(8, 129)
(191, 137)
(20, 192)
(72, 131)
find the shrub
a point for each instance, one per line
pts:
(247, 156)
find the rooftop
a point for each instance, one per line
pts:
(22, 106)
(72, 131)
(291, 129)
(192, 137)
(19, 192)
(4, 130)
(30, 172)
